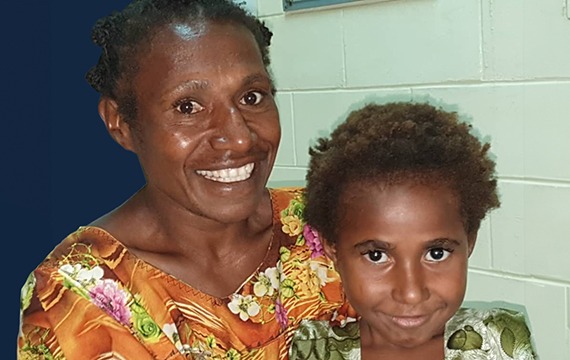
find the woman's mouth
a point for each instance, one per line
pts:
(228, 175)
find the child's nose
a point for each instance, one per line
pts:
(409, 283)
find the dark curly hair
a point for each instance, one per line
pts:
(395, 143)
(123, 35)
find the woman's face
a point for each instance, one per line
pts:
(207, 127)
(402, 254)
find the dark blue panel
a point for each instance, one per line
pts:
(25, 149)
(60, 169)
(90, 173)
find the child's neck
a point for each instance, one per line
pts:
(431, 350)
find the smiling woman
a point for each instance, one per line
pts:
(204, 261)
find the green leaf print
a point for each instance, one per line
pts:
(508, 341)
(465, 339)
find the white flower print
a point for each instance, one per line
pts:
(267, 282)
(321, 271)
(171, 332)
(244, 306)
(82, 274)
(343, 321)
(275, 274)
(90, 275)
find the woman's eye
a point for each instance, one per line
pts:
(377, 256)
(437, 254)
(189, 107)
(252, 98)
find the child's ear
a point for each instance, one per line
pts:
(330, 249)
(119, 130)
(471, 240)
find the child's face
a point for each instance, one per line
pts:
(402, 253)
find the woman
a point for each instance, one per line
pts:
(204, 261)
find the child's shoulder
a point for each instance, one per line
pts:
(498, 331)
(314, 339)
(319, 329)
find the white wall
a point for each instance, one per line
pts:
(502, 65)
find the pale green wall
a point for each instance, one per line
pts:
(505, 67)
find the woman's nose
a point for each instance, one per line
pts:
(233, 132)
(410, 285)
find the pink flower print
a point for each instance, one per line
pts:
(113, 300)
(313, 241)
(281, 314)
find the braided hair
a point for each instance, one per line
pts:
(122, 35)
(396, 143)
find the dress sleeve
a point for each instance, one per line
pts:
(495, 334)
(63, 325)
(36, 338)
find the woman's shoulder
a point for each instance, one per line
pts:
(85, 246)
(286, 194)
(84, 238)
(502, 332)
(288, 209)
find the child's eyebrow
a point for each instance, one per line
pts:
(373, 244)
(383, 245)
(443, 242)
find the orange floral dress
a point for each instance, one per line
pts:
(92, 299)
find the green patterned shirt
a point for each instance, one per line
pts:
(493, 334)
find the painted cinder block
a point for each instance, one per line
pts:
(307, 50)
(286, 151)
(530, 234)
(525, 39)
(412, 42)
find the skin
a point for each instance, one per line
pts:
(205, 103)
(402, 253)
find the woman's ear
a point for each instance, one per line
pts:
(116, 125)
(471, 240)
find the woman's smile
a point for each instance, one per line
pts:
(228, 175)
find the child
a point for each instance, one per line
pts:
(397, 194)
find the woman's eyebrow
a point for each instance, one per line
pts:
(185, 86)
(192, 84)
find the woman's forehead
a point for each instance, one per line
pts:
(188, 31)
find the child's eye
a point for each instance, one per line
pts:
(251, 98)
(188, 107)
(437, 254)
(377, 256)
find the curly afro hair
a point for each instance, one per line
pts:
(395, 143)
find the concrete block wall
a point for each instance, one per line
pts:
(502, 65)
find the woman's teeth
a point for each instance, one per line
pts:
(228, 175)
